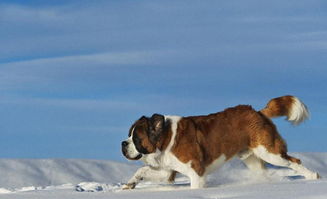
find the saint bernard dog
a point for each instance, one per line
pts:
(197, 145)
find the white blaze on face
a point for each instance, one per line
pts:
(131, 149)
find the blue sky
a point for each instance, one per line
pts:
(74, 75)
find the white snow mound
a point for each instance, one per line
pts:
(71, 178)
(17, 173)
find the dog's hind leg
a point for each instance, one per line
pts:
(255, 164)
(284, 160)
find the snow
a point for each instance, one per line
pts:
(44, 172)
(72, 178)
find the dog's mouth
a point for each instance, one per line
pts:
(139, 156)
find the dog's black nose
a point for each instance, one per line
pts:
(124, 144)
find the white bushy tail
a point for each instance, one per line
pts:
(290, 106)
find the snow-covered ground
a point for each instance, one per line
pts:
(70, 179)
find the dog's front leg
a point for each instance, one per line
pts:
(148, 173)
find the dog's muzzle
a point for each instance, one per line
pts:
(129, 150)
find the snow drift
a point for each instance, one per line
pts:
(67, 178)
(16, 173)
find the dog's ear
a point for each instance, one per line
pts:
(157, 123)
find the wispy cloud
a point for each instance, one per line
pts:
(118, 58)
(22, 74)
(145, 26)
(24, 14)
(78, 104)
(134, 104)
(280, 19)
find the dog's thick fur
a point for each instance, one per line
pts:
(197, 145)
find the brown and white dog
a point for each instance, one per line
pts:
(197, 145)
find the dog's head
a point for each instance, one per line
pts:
(143, 137)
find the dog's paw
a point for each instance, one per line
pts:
(318, 176)
(313, 176)
(128, 186)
